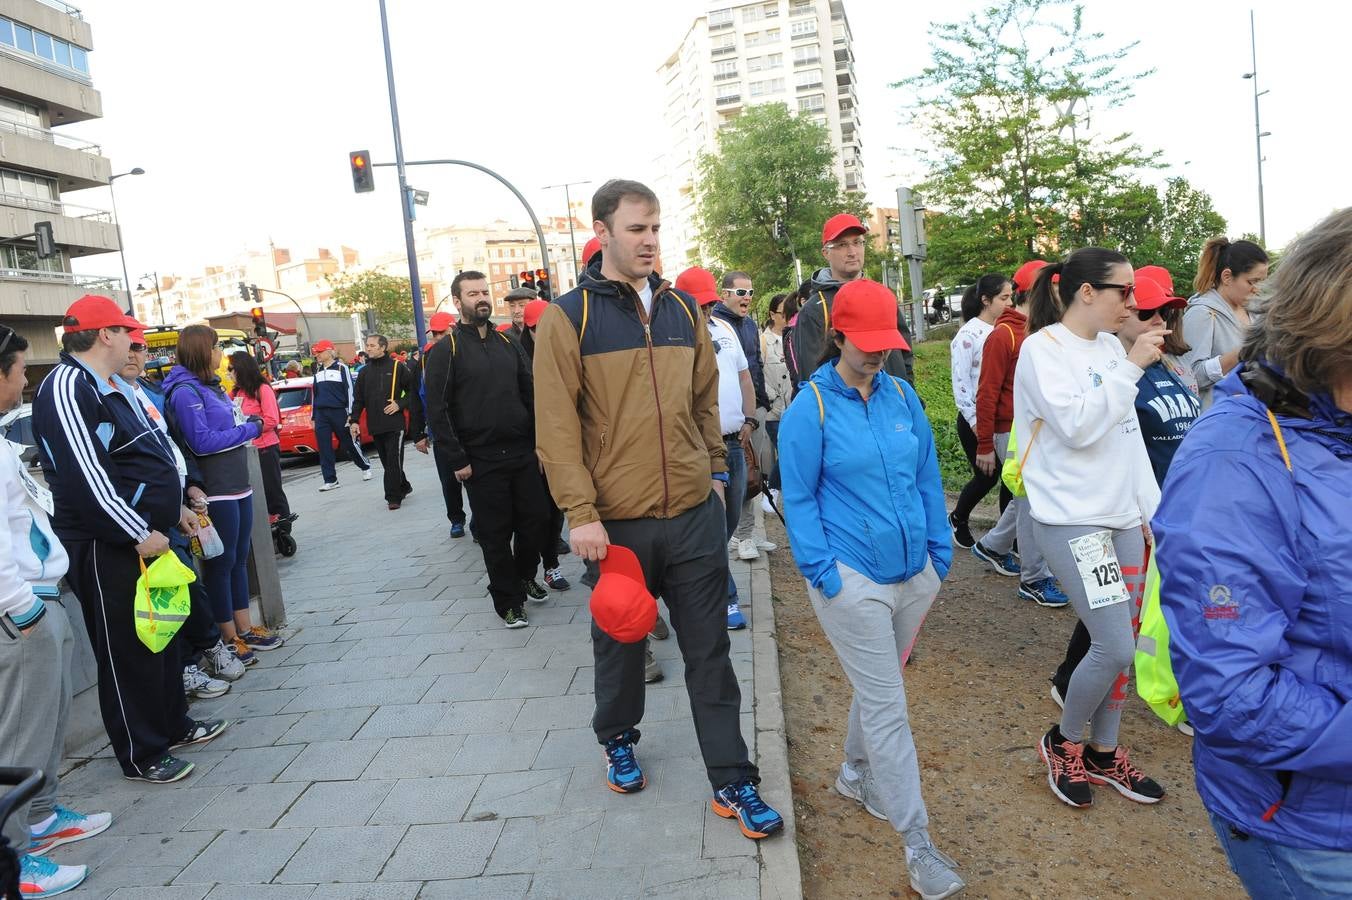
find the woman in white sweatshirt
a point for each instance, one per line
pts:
(1091, 492)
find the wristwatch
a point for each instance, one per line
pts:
(752, 421)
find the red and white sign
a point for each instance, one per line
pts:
(269, 348)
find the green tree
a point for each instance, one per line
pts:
(771, 167)
(1017, 171)
(390, 296)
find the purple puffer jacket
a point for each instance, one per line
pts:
(203, 422)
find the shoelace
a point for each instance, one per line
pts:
(1122, 767)
(38, 866)
(1072, 764)
(932, 860)
(621, 756)
(748, 798)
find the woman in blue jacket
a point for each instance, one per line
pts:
(869, 528)
(1255, 560)
(217, 435)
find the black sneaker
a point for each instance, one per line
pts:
(167, 770)
(534, 589)
(1115, 770)
(1065, 769)
(962, 535)
(562, 548)
(201, 732)
(515, 618)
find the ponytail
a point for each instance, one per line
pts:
(1058, 283)
(1219, 254)
(1044, 303)
(988, 286)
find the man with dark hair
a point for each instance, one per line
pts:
(436, 359)
(632, 447)
(116, 495)
(488, 429)
(734, 308)
(843, 246)
(330, 408)
(385, 390)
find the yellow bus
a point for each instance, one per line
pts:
(162, 342)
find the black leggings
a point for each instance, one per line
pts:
(980, 484)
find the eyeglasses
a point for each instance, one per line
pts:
(741, 292)
(1126, 289)
(856, 244)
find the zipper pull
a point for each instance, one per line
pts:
(647, 333)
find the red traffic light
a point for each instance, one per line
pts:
(527, 278)
(363, 178)
(542, 274)
(256, 313)
(358, 161)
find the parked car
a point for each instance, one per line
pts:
(295, 399)
(17, 426)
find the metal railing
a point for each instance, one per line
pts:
(63, 7)
(46, 65)
(25, 202)
(107, 282)
(46, 135)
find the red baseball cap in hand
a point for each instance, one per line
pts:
(620, 603)
(698, 283)
(534, 310)
(866, 313)
(92, 312)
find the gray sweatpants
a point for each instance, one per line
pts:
(872, 628)
(1016, 522)
(35, 691)
(1097, 688)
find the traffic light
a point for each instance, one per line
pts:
(781, 230)
(542, 283)
(515, 281)
(260, 325)
(527, 280)
(244, 292)
(46, 239)
(253, 292)
(363, 179)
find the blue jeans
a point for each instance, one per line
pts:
(227, 575)
(1271, 871)
(733, 496)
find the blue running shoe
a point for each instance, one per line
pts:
(40, 877)
(735, 618)
(457, 529)
(742, 801)
(1004, 565)
(623, 776)
(1044, 592)
(67, 827)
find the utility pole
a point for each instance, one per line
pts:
(567, 198)
(405, 192)
(910, 215)
(1258, 132)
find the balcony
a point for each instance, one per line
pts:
(802, 9)
(79, 230)
(728, 101)
(810, 61)
(67, 99)
(723, 51)
(844, 54)
(726, 76)
(50, 294)
(76, 164)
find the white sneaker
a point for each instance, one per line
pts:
(860, 789)
(199, 686)
(366, 475)
(733, 545)
(767, 546)
(328, 486)
(1185, 727)
(222, 663)
(40, 877)
(766, 501)
(747, 550)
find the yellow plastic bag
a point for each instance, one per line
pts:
(162, 601)
(1155, 680)
(1011, 473)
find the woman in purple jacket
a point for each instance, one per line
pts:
(210, 427)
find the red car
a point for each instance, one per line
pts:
(295, 397)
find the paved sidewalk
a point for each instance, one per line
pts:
(404, 744)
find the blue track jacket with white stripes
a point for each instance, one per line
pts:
(112, 475)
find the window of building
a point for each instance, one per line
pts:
(771, 10)
(30, 187)
(774, 60)
(806, 55)
(772, 36)
(23, 38)
(725, 69)
(753, 13)
(43, 46)
(755, 64)
(809, 78)
(815, 103)
(801, 7)
(6, 32)
(720, 18)
(79, 60)
(19, 113)
(754, 38)
(25, 258)
(768, 86)
(728, 93)
(803, 28)
(724, 43)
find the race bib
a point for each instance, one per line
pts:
(41, 496)
(1099, 571)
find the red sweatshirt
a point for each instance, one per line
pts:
(995, 387)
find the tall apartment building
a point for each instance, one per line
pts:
(44, 86)
(795, 52)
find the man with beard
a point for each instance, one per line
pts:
(843, 244)
(488, 431)
(385, 390)
(436, 357)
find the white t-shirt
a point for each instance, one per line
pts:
(1087, 464)
(731, 361)
(965, 362)
(645, 297)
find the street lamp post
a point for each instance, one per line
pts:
(1258, 132)
(117, 226)
(159, 303)
(568, 199)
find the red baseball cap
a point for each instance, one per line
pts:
(319, 346)
(866, 313)
(1150, 294)
(1027, 274)
(505, 326)
(1159, 275)
(620, 603)
(534, 310)
(92, 312)
(839, 224)
(590, 249)
(698, 283)
(441, 321)
(137, 336)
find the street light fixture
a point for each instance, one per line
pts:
(117, 225)
(1258, 132)
(568, 199)
(159, 303)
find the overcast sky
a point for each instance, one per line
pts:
(243, 113)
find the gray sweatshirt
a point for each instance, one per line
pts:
(1211, 330)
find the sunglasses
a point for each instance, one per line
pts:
(741, 292)
(1126, 289)
(138, 348)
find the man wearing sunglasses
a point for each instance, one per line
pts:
(844, 241)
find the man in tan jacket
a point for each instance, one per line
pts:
(627, 429)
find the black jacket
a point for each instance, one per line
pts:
(379, 381)
(488, 396)
(811, 331)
